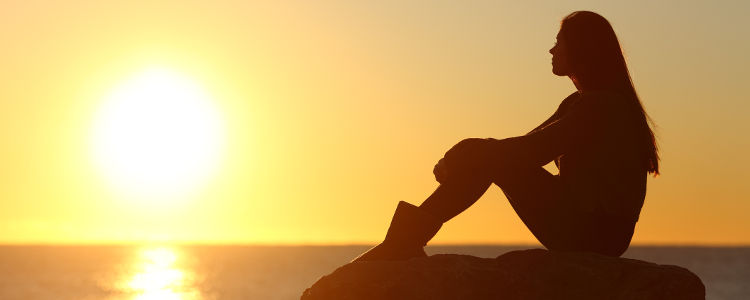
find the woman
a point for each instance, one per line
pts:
(599, 138)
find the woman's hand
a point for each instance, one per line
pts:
(440, 171)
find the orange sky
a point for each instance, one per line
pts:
(336, 110)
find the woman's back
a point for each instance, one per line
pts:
(606, 174)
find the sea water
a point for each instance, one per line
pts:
(269, 272)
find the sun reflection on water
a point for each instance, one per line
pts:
(157, 276)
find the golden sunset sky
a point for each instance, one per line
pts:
(330, 112)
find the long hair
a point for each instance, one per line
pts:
(596, 62)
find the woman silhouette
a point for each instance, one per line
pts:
(599, 138)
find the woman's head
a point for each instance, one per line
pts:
(587, 50)
(559, 53)
(592, 53)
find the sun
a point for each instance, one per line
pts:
(158, 134)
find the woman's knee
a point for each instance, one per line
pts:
(469, 156)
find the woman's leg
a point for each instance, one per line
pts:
(540, 200)
(537, 196)
(412, 227)
(534, 193)
(452, 198)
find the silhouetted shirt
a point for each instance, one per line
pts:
(593, 137)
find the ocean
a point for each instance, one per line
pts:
(269, 272)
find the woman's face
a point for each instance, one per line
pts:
(559, 58)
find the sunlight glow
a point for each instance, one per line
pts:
(158, 278)
(158, 134)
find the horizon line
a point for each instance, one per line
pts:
(337, 244)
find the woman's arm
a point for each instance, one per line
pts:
(577, 128)
(581, 127)
(558, 113)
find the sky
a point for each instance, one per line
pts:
(333, 111)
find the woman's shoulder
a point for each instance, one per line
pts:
(569, 101)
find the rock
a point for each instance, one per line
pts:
(523, 274)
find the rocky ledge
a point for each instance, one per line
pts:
(523, 274)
